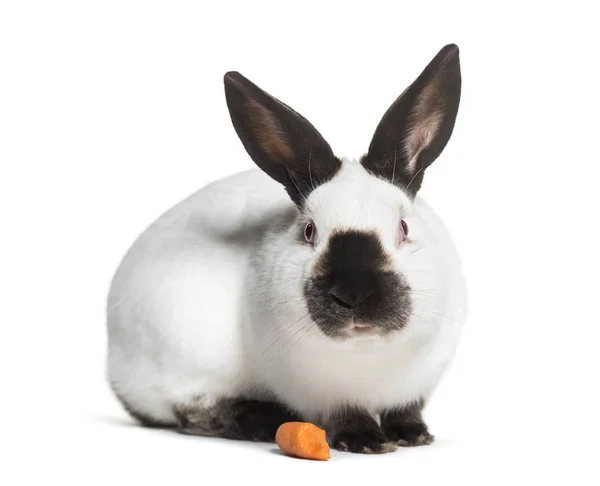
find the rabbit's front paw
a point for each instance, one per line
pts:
(405, 426)
(356, 431)
(363, 442)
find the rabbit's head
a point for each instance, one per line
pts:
(355, 243)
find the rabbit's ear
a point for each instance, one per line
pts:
(417, 127)
(279, 140)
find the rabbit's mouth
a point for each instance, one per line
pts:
(362, 328)
(359, 329)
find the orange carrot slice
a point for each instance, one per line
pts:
(304, 440)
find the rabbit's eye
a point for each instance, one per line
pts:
(309, 233)
(404, 227)
(403, 230)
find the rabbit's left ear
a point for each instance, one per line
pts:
(417, 127)
(280, 141)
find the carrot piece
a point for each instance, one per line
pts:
(304, 440)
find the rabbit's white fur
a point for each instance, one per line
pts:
(208, 302)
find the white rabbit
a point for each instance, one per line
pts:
(314, 289)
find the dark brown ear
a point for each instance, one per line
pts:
(279, 140)
(416, 128)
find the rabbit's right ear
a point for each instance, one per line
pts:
(416, 128)
(279, 140)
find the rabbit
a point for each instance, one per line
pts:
(309, 288)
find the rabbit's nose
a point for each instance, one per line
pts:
(350, 296)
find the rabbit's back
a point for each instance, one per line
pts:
(174, 318)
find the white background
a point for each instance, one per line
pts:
(112, 111)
